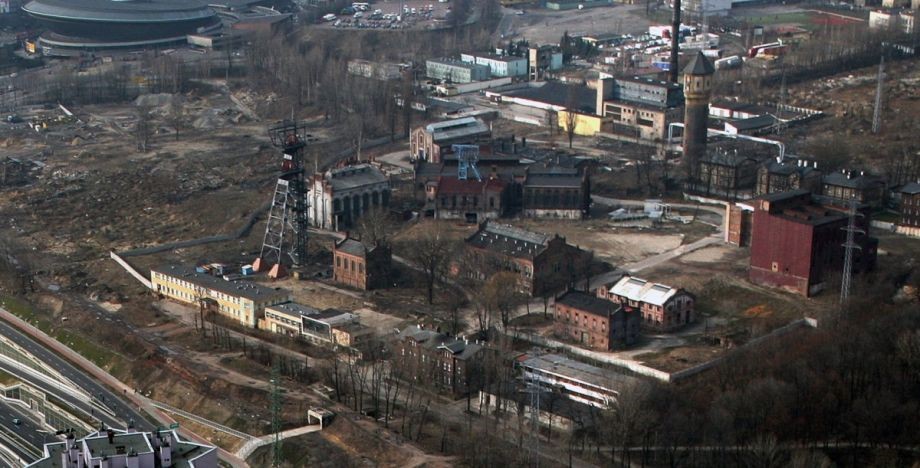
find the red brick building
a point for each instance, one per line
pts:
(661, 307)
(797, 242)
(361, 267)
(594, 322)
(471, 200)
(438, 360)
(546, 264)
(910, 210)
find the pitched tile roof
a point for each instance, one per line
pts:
(699, 65)
(509, 240)
(359, 175)
(588, 303)
(454, 186)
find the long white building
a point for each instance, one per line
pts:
(574, 380)
(499, 65)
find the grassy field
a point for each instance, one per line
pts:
(7, 379)
(95, 353)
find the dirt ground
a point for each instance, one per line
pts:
(615, 244)
(543, 26)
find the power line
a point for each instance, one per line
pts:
(879, 90)
(849, 247)
(277, 453)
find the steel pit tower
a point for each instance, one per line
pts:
(285, 237)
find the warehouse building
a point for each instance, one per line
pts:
(574, 380)
(499, 65)
(455, 71)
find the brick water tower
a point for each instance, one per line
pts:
(697, 91)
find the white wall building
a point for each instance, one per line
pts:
(499, 65)
(340, 196)
(113, 448)
(574, 380)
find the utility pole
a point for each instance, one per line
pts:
(535, 390)
(277, 454)
(782, 102)
(879, 89)
(849, 247)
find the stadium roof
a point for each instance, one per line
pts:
(148, 11)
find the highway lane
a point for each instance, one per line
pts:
(27, 430)
(102, 394)
(75, 401)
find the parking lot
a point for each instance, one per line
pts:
(424, 14)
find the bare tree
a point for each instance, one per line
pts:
(431, 253)
(571, 115)
(143, 128)
(375, 227)
(502, 294)
(177, 113)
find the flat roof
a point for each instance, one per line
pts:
(575, 370)
(293, 309)
(245, 289)
(456, 63)
(121, 444)
(499, 58)
(149, 11)
(559, 94)
(649, 81)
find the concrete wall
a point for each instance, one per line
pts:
(585, 124)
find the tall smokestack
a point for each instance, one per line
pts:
(675, 41)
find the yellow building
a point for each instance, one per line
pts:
(242, 301)
(585, 124)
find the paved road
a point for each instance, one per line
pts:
(123, 410)
(27, 430)
(76, 402)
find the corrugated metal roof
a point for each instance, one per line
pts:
(578, 371)
(638, 289)
(149, 11)
(351, 177)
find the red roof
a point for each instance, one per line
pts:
(454, 186)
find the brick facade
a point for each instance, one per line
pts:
(797, 242)
(595, 323)
(358, 266)
(661, 307)
(437, 360)
(545, 264)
